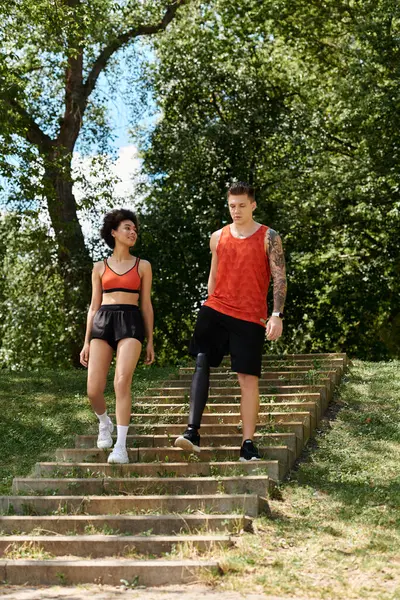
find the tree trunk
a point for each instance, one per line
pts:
(75, 263)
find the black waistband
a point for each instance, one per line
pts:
(121, 290)
(119, 307)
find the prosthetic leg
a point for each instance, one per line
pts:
(190, 440)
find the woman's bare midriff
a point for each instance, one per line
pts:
(120, 298)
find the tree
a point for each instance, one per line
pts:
(300, 99)
(33, 328)
(51, 58)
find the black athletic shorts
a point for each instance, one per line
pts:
(217, 334)
(114, 322)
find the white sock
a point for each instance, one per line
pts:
(122, 432)
(104, 418)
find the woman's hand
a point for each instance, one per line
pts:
(149, 354)
(84, 355)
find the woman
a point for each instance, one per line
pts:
(114, 322)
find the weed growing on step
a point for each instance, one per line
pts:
(132, 584)
(91, 529)
(26, 550)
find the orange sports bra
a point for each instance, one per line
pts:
(127, 282)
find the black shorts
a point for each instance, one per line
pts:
(114, 322)
(217, 334)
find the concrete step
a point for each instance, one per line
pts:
(250, 484)
(136, 455)
(314, 360)
(162, 430)
(175, 393)
(286, 374)
(272, 468)
(270, 367)
(212, 423)
(312, 403)
(246, 504)
(213, 441)
(297, 412)
(180, 402)
(133, 524)
(150, 403)
(230, 388)
(101, 546)
(265, 379)
(148, 573)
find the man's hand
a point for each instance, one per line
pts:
(274, 329)
(84, 355)
(149, 354)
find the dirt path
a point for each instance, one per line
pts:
(111, 593)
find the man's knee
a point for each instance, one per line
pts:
(248, 381)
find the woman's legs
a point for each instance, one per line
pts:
(100, 356)
(128, 353)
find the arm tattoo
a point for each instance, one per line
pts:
(278, 270)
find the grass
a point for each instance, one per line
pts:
(44, 410)
(335, 527)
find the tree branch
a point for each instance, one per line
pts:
(105, 55)
(34, 133)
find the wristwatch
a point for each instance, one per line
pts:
(278, 314)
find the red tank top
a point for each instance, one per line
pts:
(127, 282)
(243, 276)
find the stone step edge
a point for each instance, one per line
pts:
(214, 436)
(134, 453)
(235, 414)
(104, 483)
(26, 522)
(72, 542)
(83, 465)
(100, 571)
(99, 537)
(248, 504)
(204, 426)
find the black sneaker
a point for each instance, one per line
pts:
(249, 451)
(190, 440)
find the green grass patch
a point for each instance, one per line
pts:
(44, 410)
(335, 527)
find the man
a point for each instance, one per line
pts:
(233, 319)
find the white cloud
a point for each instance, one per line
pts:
(128, 169)
(107, 184)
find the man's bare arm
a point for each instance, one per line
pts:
(278, 269)
(212, 278)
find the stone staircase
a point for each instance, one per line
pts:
(81, 520)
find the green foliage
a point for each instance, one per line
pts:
(300, 99)
(51, 57)
(33, 326)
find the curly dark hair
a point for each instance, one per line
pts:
(240, 188)
(112, 221)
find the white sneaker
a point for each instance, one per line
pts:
(104, 439)
(118, 456)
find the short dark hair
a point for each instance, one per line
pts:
(112, 221)
(240, 188)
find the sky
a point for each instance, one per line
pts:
(126, 166)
